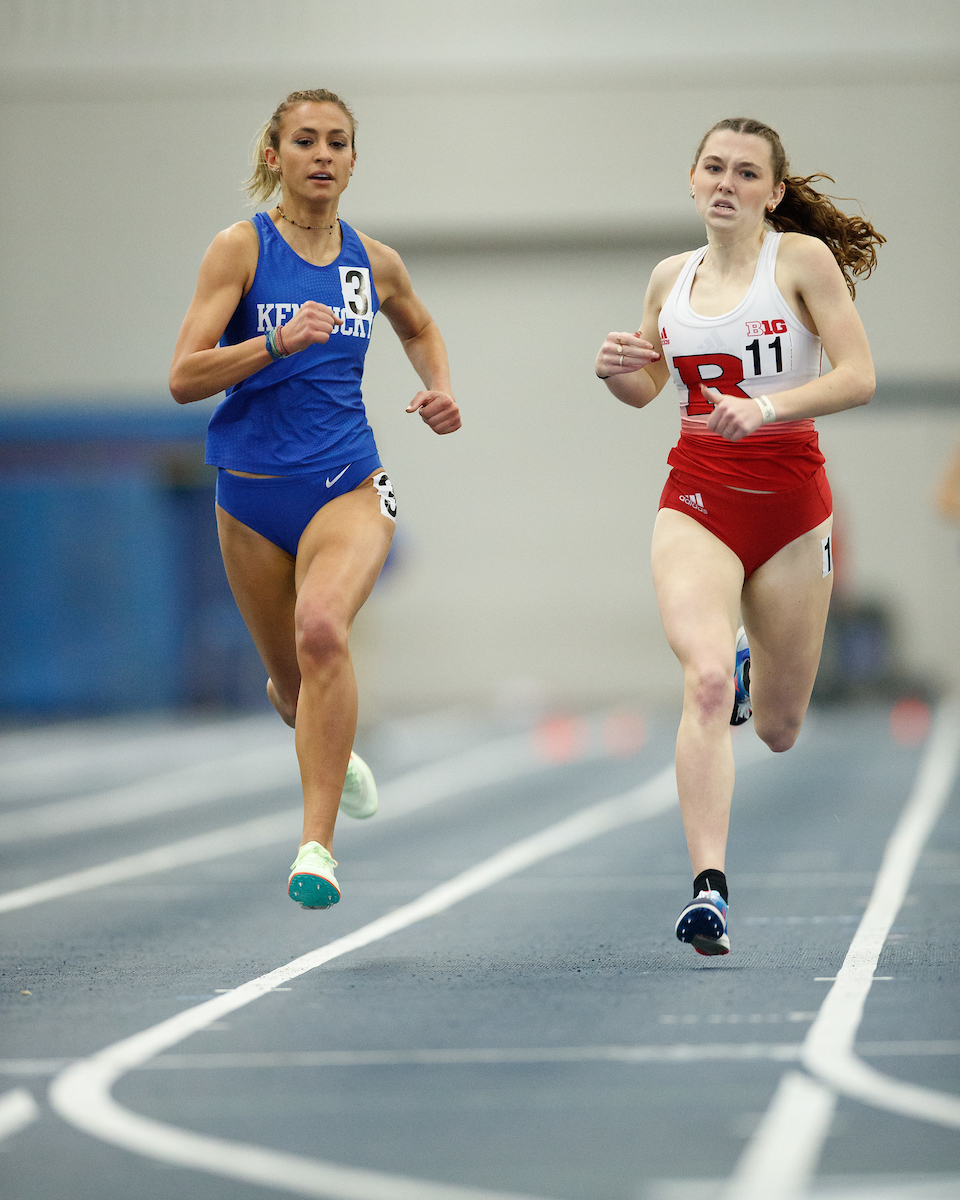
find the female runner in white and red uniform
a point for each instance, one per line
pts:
(745, 518)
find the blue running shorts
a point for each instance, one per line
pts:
(280, 508)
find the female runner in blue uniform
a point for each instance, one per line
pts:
(745, 518)
(281, 319)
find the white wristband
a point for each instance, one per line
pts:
(766, 408)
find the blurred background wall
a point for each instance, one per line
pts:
(529, 161)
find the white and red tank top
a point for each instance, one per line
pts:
(758, 348)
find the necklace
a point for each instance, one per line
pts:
(299, 226)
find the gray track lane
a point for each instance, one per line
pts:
(578, 951)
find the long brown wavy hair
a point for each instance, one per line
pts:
(853, 241)
(263, 182)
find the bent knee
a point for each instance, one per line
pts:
(321, 639)
(709, 689)
(779, 735)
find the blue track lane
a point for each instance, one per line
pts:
(488, 1047)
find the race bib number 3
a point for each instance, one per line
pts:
(355, 286)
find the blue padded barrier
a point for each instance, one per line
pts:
(112, 594)
(90, 595)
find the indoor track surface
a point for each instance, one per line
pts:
(498, 1007)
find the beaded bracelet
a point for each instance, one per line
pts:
(766, 408)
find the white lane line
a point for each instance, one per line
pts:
(250, 835)
(782, 1155)
(18, 1109)
(269, 768)
(848, 1187)
(33, 1066)
(679, 1053)
(939, 1187)
(683, 1052)
(77, 758)
(81, 1093)
(499, 761)
(775, 1157)
(494, 762)
(922, 1049)
(674, 1054)
(241, 774)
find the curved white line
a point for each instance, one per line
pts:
(81, 1093)
(784, 1151)
(18, 1109)
(828, 1047)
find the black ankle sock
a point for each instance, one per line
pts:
(711, 881)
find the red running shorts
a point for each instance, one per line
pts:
(754, 525)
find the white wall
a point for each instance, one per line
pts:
(113, 202)
(527, 533)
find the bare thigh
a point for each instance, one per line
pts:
(262, 579)
(785, 603)
(698, 580)
(339, 557)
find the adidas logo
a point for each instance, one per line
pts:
(695, 501)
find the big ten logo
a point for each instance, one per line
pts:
(759, 328)
(355, 286)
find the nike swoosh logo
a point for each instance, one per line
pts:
(331, 482)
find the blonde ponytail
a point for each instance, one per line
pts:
(264, 183)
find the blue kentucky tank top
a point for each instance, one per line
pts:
(303, 413)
